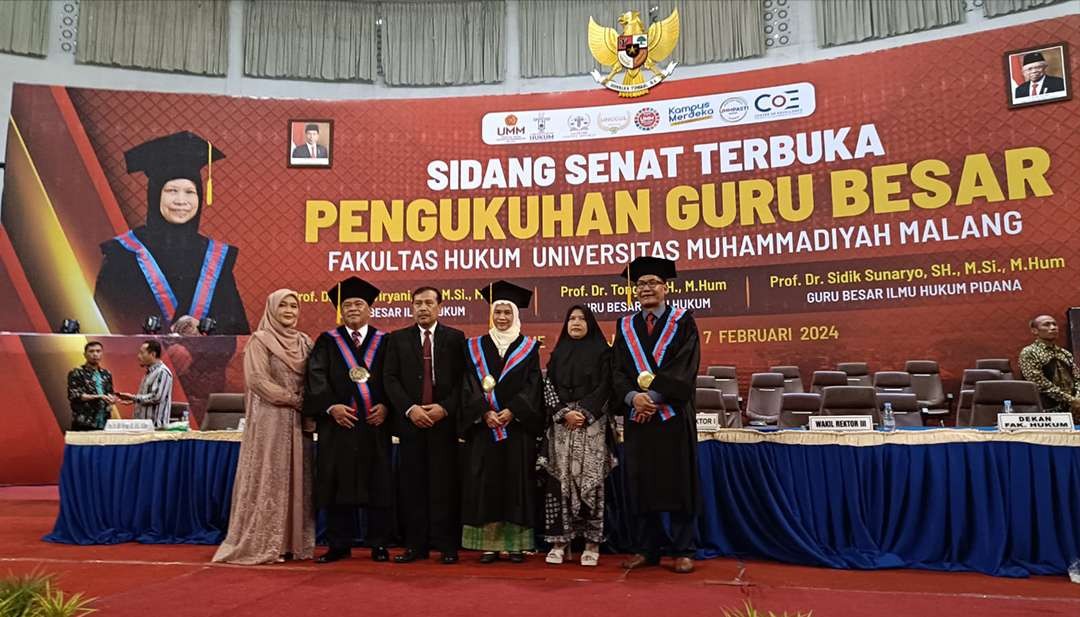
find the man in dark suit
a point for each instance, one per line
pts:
(310, 149)
(423, 373)
(343, 390)
(1038, 82)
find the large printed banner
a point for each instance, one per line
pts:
(904, 204)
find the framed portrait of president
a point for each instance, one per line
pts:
(311, 143)
(1037, 75)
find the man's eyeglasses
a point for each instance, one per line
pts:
(649, 284)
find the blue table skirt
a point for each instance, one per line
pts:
(1007, 509)
(175, 492)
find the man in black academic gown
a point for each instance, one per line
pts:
(422, 374)
(660, 434)
(343, 390)
(166, 267)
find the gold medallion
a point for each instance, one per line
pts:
(359, 374)
(488, 384)
(645, 379)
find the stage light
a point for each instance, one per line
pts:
(69, 326)
(152, 325)
(207, 325)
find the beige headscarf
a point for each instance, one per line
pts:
(503, 338)
(290, 345)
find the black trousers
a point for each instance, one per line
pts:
(650, 537)
(430, 492)
(341, 527)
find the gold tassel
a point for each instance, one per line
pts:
(629, 291)
(491, 308)
(337, 319)
(209, 173)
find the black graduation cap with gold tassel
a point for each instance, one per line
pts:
(180, 155)
(641, 266)
(352, 287)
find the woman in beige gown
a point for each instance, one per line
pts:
(272, 516)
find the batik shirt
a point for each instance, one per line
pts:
(89, 415)
(1053, 370)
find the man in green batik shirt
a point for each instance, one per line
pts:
(1051, 368)
(90, 391)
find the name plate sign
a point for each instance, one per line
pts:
(129, 426)
(850, 424)
(708, 422)
(1035, 422)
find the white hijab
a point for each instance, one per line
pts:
(503, 338)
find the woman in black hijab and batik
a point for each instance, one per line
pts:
(576, 455)
(166, 267)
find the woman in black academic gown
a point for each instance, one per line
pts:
(501, 418)
(166, 267)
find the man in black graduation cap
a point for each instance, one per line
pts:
(655, 364)
(166, 267)
(343, 390)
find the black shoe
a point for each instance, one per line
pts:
(517, 557)
(489, 557)
(379, 553)
(449, 557)
(639, 561)
(411, 555)
(333, 555)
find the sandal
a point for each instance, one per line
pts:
(591, 555)
(556, 554)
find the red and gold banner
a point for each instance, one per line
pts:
(879, 207)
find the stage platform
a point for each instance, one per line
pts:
(135, 580)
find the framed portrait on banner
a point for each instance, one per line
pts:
(311, 143)
(1038, 75)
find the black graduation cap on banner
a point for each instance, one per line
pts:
(180, 155)
(502, 290)
(353, 287)
(657, 266)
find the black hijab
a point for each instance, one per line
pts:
(575, 365)
(181, 155)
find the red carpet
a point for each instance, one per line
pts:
(134, 580)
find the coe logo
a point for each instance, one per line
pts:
(777, 101)
(647, 119)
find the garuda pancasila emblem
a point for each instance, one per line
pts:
(634, 51)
